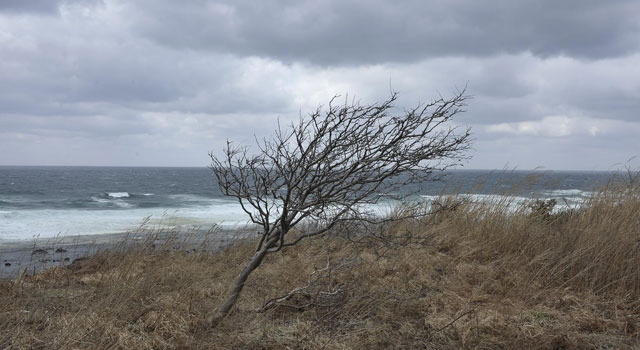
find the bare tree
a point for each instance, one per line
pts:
(320, 171)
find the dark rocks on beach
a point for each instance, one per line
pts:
(66, 259)
(7, 264)
(61, 250)
(39, 251)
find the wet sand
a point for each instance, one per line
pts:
(31, 256)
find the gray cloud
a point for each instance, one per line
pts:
(40, 6)
(360, 32)
(36, 6)
(162, 82)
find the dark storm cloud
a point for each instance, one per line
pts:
(67, 71)
(37, 6)
(359, 32)
(88, 82)
(22, 6)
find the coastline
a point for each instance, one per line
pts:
(478, 275)
(34, 255)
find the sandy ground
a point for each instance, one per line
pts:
(31, 256)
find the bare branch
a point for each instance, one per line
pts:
(322, 169)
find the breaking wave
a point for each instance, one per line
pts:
(118, 194)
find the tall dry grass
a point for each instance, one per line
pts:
(487, 275)
(594, 246)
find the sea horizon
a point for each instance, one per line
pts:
(536, 169)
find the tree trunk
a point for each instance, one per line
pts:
(214, 318)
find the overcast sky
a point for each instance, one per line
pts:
(555, 84)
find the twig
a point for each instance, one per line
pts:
(457, 318)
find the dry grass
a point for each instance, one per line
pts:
(482, 276)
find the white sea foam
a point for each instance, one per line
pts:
(46, 223)
(565, 199)
(195, 198)
(112, 202)
(122, 204)
(567, 193)
(480, 198)
(118, 194)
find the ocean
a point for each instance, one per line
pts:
(44, 202)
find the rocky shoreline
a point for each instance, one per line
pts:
(32, 256)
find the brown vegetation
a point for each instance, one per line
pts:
(477, 276)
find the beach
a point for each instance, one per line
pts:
(32, 256)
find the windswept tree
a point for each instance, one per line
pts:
(319, 171)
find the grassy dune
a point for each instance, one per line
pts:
(477, 276)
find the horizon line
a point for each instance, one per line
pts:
(538, 168)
